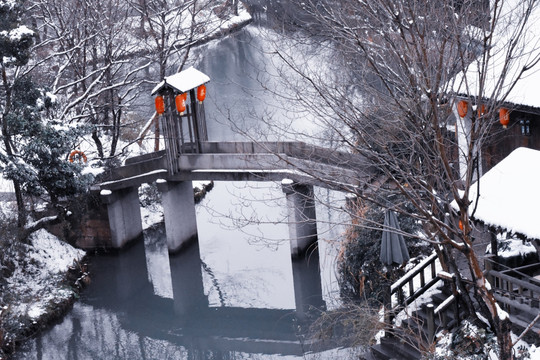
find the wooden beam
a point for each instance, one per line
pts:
(271, 162)
(296, 149)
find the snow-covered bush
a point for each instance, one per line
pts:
(468, 342)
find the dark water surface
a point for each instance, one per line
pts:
(235, 294)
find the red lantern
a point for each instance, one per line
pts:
(462, 108)
(180, 101)
(504, 117)
(481, 110)
(201, 93)
(160, 104)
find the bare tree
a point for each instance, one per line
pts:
(390, 94)
(91, 53)
(167, 30)
(101, 54)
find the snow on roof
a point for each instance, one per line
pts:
(183, 81)
(510, 195)
(527, 49)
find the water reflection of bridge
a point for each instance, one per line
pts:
(189, 321)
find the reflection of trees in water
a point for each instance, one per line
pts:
(197, 354)
(93, 333)
(245, 289)
(249, 282)
(90, 333)
(281, 15)
(215, 282)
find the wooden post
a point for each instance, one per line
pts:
(388, 316)
(195, 120)
(444, 318)
(201, 123)
(488, 267)
(171, 129)
(457, 299)
(156, 133)
(494, 247)
(430, 312)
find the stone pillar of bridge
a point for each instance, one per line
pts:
(179, 212)
(124, 214)
(301, 216)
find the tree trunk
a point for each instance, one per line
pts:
(99, 145)
(504, 338)
(499, 320)
(21, 211)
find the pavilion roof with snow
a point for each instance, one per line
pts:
(510, 194)
(183, 81)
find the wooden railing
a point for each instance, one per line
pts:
(415, 283)
(517, 295)
(441, 312)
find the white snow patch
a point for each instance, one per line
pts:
(287, 182)
(54, 255)
(18, 33)
(35, 283)
(509, 194)
(503, 315)
(513, 247)
(36, 311)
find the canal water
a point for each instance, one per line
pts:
(236, 294)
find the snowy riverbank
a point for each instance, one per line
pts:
(40, 281)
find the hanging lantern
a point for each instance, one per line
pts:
(460, 225)
(481, 110)
(201, 93)
(462, 108)
(180, 101)
(160, 104)
(504, 117)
